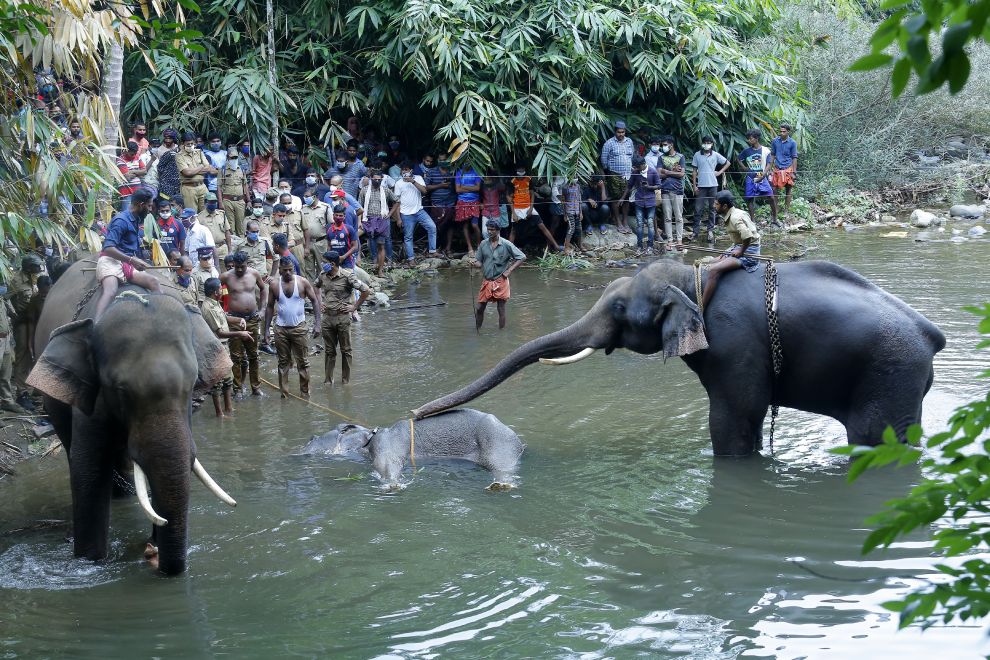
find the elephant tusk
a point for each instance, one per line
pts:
(577, 357)
(141, 485)
(207, 480)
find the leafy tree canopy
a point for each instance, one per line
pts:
(542, 79)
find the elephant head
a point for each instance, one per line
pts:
(646, 313)
(132, 374)
(343, 439)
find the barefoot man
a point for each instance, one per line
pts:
(745, 241)
(496, 258)
(218, 321)
(241, 283)
(118, 263)
(291, 342)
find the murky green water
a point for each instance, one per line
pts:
(625, 539)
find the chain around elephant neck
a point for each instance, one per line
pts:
(697, 286)
(771, 278)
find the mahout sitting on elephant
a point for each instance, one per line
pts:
(118, 392)
(850, 350)
(462, 434)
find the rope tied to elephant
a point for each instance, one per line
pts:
(698, 266)
(775, 348)
(349, 419)
(143, 299)
(412, 443)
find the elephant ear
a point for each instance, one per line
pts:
(211, 356)
(65, 370)
(683, 328)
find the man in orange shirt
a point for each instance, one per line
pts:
(523, 198)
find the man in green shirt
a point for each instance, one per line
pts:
(496, 258)
(745, 238)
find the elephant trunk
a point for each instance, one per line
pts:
(576, 338)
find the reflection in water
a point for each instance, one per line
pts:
(626, 538)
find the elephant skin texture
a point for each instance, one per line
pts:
(119, 394)
(464, 434)
(850, 350)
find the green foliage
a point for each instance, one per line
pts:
(542, 80)
(550, 261)
(955, 488)
(912, 28)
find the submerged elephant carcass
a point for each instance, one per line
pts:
(850, 350)
(118, 392)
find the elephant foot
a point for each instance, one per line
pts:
(151, 554)
(499, 487)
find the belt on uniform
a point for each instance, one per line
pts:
(193, 184)
(246, 317)
(234, 198)
(3, 335)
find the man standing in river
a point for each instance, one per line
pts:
(496, 258)
(291, 345)
(241, 283)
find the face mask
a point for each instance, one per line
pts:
(3, 290)
(311, 180)
(140, 134)
(376, 184)
(666, 148)
(341, 165)
(643, 172)
(407, 175)
(574, 180)
(655, 148)
(211, 207)
(338, 222)
(215, 146)
(327, 267)
(165, 215)
(277, 219)
(520, 173)
(333, 188)
(252, 236)
(246, 150)
(308, 200)
(155, 150)
(184, 278)
(189, 148)
(706, 147)
(394, 145)
(48, 252)
(382, 154)
(444, 164)
(186, 222)
(257, 212)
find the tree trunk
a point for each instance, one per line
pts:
(273, 81)
(113, 76)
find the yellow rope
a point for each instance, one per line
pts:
(697, 286)
(349, 419)
(412, 443)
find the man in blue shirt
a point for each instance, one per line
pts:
(756, 162)
(171, 233)
(342, 239)
(783, 155)
(280, 243)
(440, 185)
(217, 157)
(119, 263)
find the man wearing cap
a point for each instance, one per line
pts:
(293, 169)
(193, 167)
(317, 218)
(337, 303)
(232, 191)
(132, 167)
(311, 185)
(271, 199)
(216, 222)
(204, 270)
(616, 158)
(197, 235)
(171, 233)
(188, 289)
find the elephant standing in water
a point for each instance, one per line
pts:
(850, 350)
(119, 391)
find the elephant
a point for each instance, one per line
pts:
(465, 434)
(119, 393)
(850, 350)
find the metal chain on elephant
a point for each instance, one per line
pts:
(775, 349)
(86, 299)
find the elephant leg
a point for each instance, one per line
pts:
(735, 415)
(91, 479)
(60, 417)
(882, 401)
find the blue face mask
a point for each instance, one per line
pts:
(308, 200)
(211, 207)
(252, 235)
(655, 148)
(326, 269)
(48, 252)
(394, 145)
(246, 150)
(215, 146)
(3, 290)
(184, 279)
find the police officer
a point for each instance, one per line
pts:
(316, 218)
(24, 287)
(233, 191)
(6, 393)
(216, 221)
(184, 279)
(193, 166)
(203, 271)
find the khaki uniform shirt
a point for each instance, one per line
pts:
(257, 253)
(185, 160)
(189, 294)
(231, 181)
(316, 219)
(200, 275)
(740, 226)
(25, 289)
(215, 317)
(217, 224)
(335, 291)
(4, 329)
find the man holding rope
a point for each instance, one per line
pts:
(496, 258)
(745, 239)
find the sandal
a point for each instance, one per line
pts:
(711, 237)
(603, 230)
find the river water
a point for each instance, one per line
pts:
(624, 539)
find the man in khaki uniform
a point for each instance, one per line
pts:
(24, 287)
(218, 321)
(6, 393)
(216, 221)
(295, 228)
(316, 218)
(186, 283)
(234, 192)
(203, 271)
(193, 166)
(336, 286)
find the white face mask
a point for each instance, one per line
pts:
(666, 148)
(190, 148)
(706, 146)
(520, 174)
(311, 180)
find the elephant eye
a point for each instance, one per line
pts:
(619, 308)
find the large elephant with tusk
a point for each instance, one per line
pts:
(850, 350)
(119, 394)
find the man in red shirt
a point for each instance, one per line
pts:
(130, 166)
(141, 137)
(262, 167)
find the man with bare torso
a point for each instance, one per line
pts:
(241, 282)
